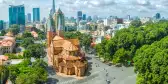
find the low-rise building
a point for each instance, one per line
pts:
(34, 34)
(7, 43)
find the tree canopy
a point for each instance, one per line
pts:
(14, 28)
(136, 23)
(27, 41)
(36, 50)
(151, 63)
(28, 73)
(122, 47)
(27, 35)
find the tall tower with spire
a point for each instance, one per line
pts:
(53, 7)
(59, 22)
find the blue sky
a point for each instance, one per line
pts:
(101, 8)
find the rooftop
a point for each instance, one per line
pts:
(69, 45)
(7, 41)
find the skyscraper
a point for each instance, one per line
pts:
(95, 18)
(79, 15)
(29, 17)
(36, 14)
(158, 16)
(59, 20)
(84, 16)
(128, 17)
(17, 15)
(89, 18)
(1, 24)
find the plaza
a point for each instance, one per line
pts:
(97, 74)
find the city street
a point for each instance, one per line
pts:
(97, 74)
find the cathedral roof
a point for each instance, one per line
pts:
(69, 46)
(58, 38)
(74, 41)
(59, 11)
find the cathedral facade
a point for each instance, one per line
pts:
(64, 55)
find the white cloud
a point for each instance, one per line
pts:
(92, 7)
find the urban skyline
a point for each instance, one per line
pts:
(102, 8)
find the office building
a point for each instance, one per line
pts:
(1, 24)
(95, 18)
(89, 18)
(36, 14)
(158, 16)
(29, 17)
(128, 17)
(84, 16)
(79, 15)
(17, 15)
(107, 22)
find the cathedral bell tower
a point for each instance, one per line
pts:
(50, 30)
(59, 22)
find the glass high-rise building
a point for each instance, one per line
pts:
(36, 14)
(1, 24)
(84, 17)
(79, 15)
(17, 15)
(89, 18)
(158, 16)
(29, 17)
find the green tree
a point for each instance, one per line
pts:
(4, 74)
(3, 32)
(36, 50)
(131, 39)
(39, 63)
(27, 35)
(85, 40)
(151, 63)
(15, 29)
(136, 23)
(28, 73)
(120, 56)
(27, 41)
(27, 54)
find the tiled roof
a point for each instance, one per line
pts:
(10, 34)
(108, 37)
(65, 44)
(2, 57)
(34, 34)
(58, 38)
(7, 41)
(69, 46)
(74, 41)
(58, 43)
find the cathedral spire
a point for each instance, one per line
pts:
(53, 7)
